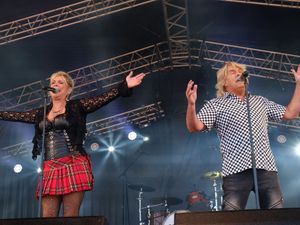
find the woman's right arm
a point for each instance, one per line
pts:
(26, 117)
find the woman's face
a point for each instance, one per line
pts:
(60, 83)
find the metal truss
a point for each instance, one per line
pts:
(107, 73)
(177, 30)
(63, 17)
(278, 3)
(293, 125)
(92, 78)
(260, 63)
(141, 117)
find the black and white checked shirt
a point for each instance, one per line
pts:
(228, 115)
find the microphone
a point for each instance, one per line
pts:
(54, 90)
(244, 76)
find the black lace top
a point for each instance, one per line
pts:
(76, 112)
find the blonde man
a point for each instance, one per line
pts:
(227, 113)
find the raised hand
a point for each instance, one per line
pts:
(191, 92)
(133, 81)
(296, 74)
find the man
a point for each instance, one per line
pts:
(229, 116)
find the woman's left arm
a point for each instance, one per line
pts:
(124, 89)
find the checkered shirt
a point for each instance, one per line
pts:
(228, 115)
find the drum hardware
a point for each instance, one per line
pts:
(216, 204)
(149, 207)
(213, 174)
(167, 200)
(157, 218)
(141, 189)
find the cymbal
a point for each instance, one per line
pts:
(141, 187)
(213, 174)
(168, 200)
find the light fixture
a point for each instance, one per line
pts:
(18, 168)
(132, 135)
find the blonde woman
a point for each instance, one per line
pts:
(67, 166)
(227, 113)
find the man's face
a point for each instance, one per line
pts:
(232, 81)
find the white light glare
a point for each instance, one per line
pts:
(146, 138)
(18, 168)
(111, 148)
(132, 135)
(38, 170)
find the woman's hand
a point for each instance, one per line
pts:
(133, 81)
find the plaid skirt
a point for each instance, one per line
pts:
(65, 175)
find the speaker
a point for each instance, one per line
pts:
(90, 220)
(243, 217)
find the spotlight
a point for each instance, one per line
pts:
(18, 168)
(132, 135)
(94, 146)
(111, 148)
(281, 139)
(39, 170)
(146, 138)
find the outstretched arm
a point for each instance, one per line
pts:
(133, 81)
(91, 104)
(293, 108)
(192, 122)
(25, 117)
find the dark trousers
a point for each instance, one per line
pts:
(237, 188)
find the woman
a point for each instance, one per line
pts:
(67, 167)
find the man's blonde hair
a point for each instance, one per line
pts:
(222, 73)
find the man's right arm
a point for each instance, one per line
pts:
(192, 122)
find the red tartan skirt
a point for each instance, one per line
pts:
(66, 175)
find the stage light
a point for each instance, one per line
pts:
(297, 150)
(39, 170)
(281, 139)
(146, 138)
(94, 146)
(132, 135)
(18, 168)
(111, 148)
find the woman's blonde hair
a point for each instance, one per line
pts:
(67, 77)
(222, 73)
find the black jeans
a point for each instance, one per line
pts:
(237, 188)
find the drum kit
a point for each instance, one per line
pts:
(158, 212)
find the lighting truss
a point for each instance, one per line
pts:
(293, 125)
(141, 117)
(177, 30)
(93, 77)
(260, 63)
(283, 3)
(104, 74)
(63, 17)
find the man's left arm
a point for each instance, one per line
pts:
(293, 108)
